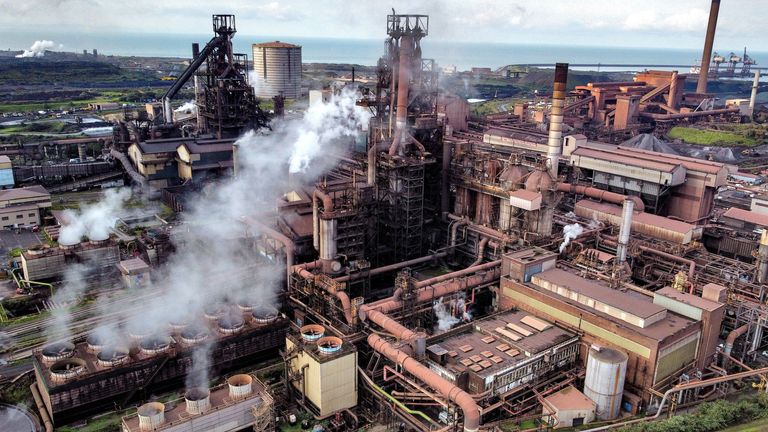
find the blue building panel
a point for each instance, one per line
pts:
(6, 177)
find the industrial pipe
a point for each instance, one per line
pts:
(690, 263)
(346, 306)
(753, 96)
(709, 40)
(403, 81)
(397, 266)
(732, 336)
(438, 287)
(624, 230)
(672, 101)
(455, 229)
(656, 116)
(41, 407)
(448, 390)
(480, 251)
(555, 141)
(601, 195)
(446, 178)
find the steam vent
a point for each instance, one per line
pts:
(578, 246)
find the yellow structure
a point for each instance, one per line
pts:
(328, 380)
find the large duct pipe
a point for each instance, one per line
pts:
(431, 289)
(601, 195)
(753, 97)
(692, 114)
(403, 80)
(393, 267)
(41, 407)
(372, 166)
(448, 390)
(709, 40)
(555, 142)
(624, 230)
(762, 258)
(732, 336)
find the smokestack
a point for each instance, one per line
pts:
(753, 97)
(403, 80)
(673, 101)
(151, 416)
(555, 143)
(624, 230)
(709, 40)
(195, 50)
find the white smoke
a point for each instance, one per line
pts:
(216, 261)
(37, 49)
(94, 221)
(446, 319)
(187, 107)
(64, 298)
(570, 232)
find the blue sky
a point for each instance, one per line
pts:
(647, 23)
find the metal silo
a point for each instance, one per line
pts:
(604, 382)
(277, 69)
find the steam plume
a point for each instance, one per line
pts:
(95, 220)
(37, 49)
(570, 232)
(187, 107)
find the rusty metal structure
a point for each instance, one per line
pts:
(452, 274)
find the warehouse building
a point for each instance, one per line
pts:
(21, 207)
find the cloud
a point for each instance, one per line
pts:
(692, 20)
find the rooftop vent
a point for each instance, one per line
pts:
(194, 335)
(64, 370)
(239, 386)
(329, 345)
(231, 323)
(264, 314)
(58, 351)
(198, 400)
(151, 416)
(112, 356)
(155, 344)
(312, 332)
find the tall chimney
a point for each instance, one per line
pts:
(403, 81)
(753, 97)
(624, 230)
(555, 143)
(195, 50)
(709, 40)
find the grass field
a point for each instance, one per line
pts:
(710, 137)
(760, 425)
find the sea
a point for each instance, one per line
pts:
(463, 55)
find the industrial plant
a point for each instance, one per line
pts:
(409, 264)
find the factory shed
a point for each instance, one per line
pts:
(21, 206)
(570, 407)
(658, 172)
(609, 317)
(744, 219)
(658, 227)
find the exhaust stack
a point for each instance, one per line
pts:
(555, 143)
(753, 97)
(151, 416)
(198, 400)
(239, 386)
(624, 230)
(709, 40)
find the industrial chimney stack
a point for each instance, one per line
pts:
(701, 87)
(555, 143)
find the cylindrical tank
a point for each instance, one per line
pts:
(58, 351)
(151, 416)
(604, 381)
(277, 70)
(239, 386)
(198, 400)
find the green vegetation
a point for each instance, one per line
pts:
(711, 417)
(74, 73)
(711, 137)
(15, 252)
(109, 423)
(57, 127)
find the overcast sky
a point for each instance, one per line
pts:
(632, 23)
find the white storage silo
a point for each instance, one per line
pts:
(277, 69)
(604, 381)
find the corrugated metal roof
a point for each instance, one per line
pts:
(36, 191)
(689, 163)
(660, 222)
(617, 157)
(693, 300)
(746, 216)
(604, 294)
